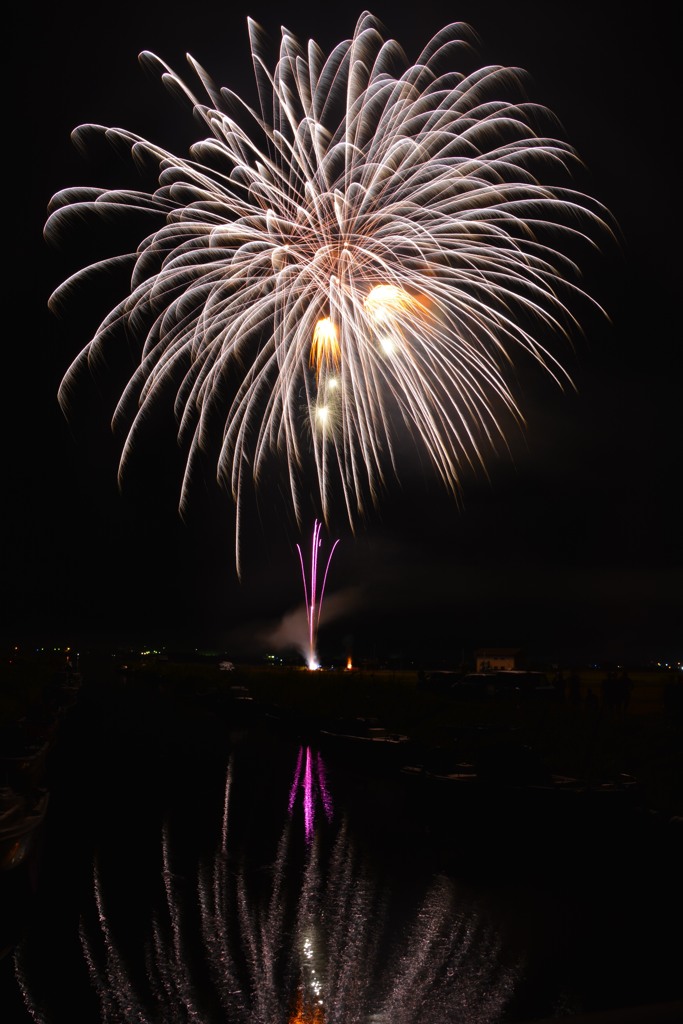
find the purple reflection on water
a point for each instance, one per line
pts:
(308, 796)
(309, 775)
(295, 783)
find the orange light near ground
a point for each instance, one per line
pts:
(349, 664)
(306, 1014)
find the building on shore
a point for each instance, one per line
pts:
(498, 659)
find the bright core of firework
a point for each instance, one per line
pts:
(397, 226)
(386, 302)
(325, 351)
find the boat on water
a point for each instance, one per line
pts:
(364, 738)
(363, 730)
(513, 776)
(23, 763)
(21, 816)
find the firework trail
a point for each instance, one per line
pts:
(313, 598)
(361, 260)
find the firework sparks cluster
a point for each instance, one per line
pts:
(358, 259)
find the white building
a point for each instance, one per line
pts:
(498, 659)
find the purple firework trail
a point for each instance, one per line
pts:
(313, 601)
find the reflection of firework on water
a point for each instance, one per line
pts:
(312, 596)
(371, 250)
(309, 777)
(318, 943)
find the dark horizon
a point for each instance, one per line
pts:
(335, 648)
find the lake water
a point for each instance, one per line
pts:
(204, 867)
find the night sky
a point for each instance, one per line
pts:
(571, 547)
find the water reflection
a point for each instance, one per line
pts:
(310, 781)
(310, 936)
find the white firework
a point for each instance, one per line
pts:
(362, 259)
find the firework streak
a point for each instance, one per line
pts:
(313, 599)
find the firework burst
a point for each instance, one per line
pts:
(364, 256)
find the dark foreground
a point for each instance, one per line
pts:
(584, 878)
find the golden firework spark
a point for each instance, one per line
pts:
(325, 350)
